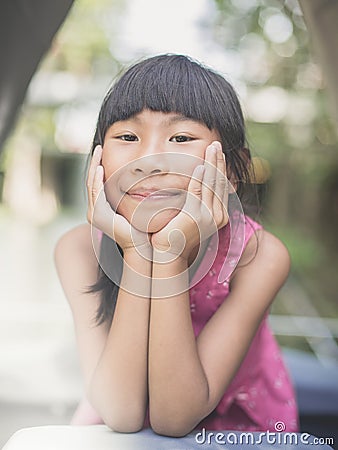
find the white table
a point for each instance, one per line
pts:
(100, 437)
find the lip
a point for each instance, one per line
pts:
(153, 194)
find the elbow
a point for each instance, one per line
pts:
(120, 418)
(124, 427)
(170, 430)
(176, 420)
(165, 426)
(119, 415)
(125, 424)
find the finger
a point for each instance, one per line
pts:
(209, 179)
(97, 184)
(220, 174)
(195, 184)
(225, 198)
(195, 187)
(219, 209)
(95, 161)
(98, 199)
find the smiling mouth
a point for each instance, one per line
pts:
(159, 194)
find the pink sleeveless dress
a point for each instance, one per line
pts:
(261, 394)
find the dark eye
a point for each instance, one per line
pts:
(127, 137)
(181, 138)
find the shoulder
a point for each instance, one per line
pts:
(264, 259)
(77, 269)
(264, 245)
(75, 261)
(272, 251)
(76, 236)
(75, 241)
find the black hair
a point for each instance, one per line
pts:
(173, 83)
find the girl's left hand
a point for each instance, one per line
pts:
(204, 212)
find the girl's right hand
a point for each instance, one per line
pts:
(102, 216)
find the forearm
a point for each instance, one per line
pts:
(119, 385)
(178, 388)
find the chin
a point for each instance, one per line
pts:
(155, 223)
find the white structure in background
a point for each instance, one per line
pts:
(150, 27)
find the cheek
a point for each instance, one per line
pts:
(112, 194)
(113, 171)
(112, 186)
(114, 160)
(185, 167)
(109, 164)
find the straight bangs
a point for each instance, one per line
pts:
(171, 83)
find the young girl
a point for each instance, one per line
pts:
(163, 340)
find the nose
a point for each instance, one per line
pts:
(151, 164)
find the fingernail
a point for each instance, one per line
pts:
(200, 169)
(97, 149)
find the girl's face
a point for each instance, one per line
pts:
(148, 161)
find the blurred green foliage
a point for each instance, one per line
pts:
(302, 194)
(271, 40)
(307, 253)
(82, 45)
